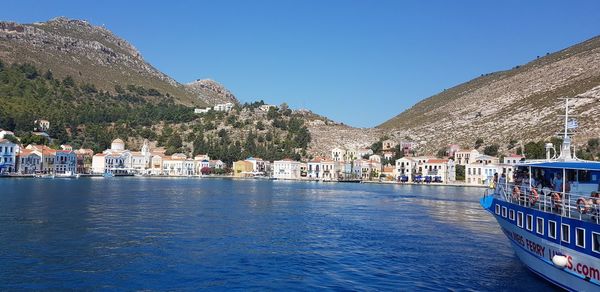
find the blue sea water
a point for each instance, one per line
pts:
(219, 234)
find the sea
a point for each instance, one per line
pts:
(130, 233)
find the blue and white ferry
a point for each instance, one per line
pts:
(550, 212)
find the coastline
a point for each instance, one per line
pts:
(265, 179)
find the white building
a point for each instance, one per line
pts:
(29, 161)
(362, 152)
(314, 169)
(329, 169)
(8, 156)
(140, 161)
(223, 107)
(201, 110)
(216, 164)
(116, 160)
(338, 154)
(483, 174)
(375, 157)
(286, 169)
(259, 165)
(442, 168)
(176, 164)
(465, 157)
(405, 166)
(266, 107)
(513, 159)
(4, 133)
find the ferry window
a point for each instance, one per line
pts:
(511, 214)
(551, 229)
(539, 226)
(504, 212)
(596, 242)
(529, 222)
(565, 229)
(520, 219)
(497, 209)
(580, 237)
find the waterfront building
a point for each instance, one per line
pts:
(388, 172)
(242, 168)
(329, 169)
(444, 169)
(65, 162)
(84, 160)
(464, 157)
(117, 159)
(405, 166)
(286, 169)
(483, 174)
(8, 156)
(202, 164)
(156, 164)
(513, 159)
(29, 161)
(216, 164)
(140, 160)
(259, 166)
(314, 168)
(176, 165)
(48, 156)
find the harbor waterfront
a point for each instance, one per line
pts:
(189, 233)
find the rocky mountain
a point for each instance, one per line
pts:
(521, 104)
(88, 53)
(211, 92)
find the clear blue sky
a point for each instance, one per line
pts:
(357, 62)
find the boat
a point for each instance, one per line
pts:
(550, 213)
(44, 175)
(67, 174)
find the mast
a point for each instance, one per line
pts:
(565, 151)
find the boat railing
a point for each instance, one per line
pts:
(572, 205)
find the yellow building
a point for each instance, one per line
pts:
(242, 168)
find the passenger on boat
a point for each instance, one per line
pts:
(557, 183)
(500, 186)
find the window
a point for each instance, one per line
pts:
(529, 222)
(511, 214)
(552, 229)
(504, 210)
(564, 233)
(596, 242)
(580, 237)
(520, 219)
(497, 209)
(539, 226)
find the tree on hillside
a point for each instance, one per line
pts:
(478, 143)
(491, 150)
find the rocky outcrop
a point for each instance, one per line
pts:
(211, 92)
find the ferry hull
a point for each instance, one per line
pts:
(543, 267)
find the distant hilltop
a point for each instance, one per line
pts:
(518, 105)
(93, 54)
